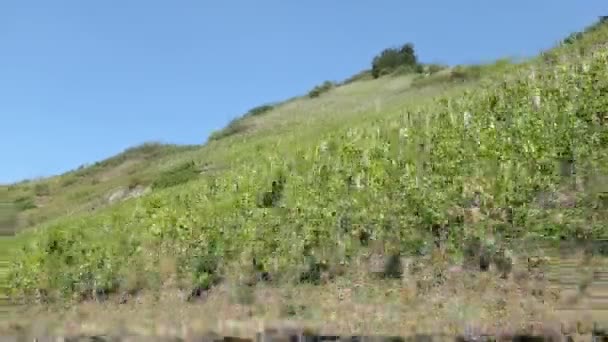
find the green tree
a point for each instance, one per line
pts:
(392, 58)
(408, 54)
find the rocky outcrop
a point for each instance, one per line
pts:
(122, 194)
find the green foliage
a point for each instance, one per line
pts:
(24, 203)
(392, 58)
(272, 198)
(320, 89)
(181, 174)
(42, 189)
(260, 110)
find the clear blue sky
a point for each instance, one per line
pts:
(83, 80)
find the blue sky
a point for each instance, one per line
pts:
(83, 80)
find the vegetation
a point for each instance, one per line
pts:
(8, 217)
(24, 203)
(182, 174)
(441, 75)
(260, 110)
(391, 59)
(235, 126)
(42, 189)
(576, 36)
(145, 151)
(361, 76)
(296, 203)
(320, 89)
(434, 68)
(238, 125)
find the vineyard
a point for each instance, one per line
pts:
(503, 160)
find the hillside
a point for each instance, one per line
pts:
(314, 185)
(90, 188)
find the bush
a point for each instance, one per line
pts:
(259, 110)
(181, 174)
(235, 126)
(320, 89)
(390, 59)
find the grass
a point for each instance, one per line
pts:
(384, 160)
(87, 188)
(6, 245)
(354, 304)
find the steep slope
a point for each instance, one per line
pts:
(379, 160)
(88, 187)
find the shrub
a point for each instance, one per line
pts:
(181, 174)
(320, 89)
(235, 126)
(392, 58)
(260, 110)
